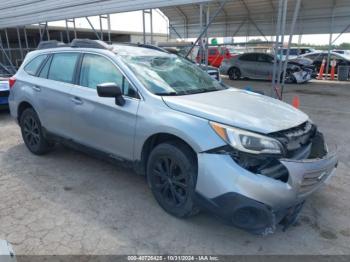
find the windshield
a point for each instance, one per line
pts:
(171, 75)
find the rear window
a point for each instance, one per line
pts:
(33, 66)
(62, 67)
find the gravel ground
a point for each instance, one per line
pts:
(69, 203)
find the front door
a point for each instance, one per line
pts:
(97, 121)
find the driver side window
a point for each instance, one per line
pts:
(96, 69)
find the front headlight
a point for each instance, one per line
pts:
(246, 141)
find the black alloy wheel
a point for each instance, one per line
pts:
(32, 132)
(234, 73)
(171, 173)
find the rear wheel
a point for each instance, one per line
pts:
(32, 132)
(234, 73)
(172, 173)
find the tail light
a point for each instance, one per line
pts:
(12, 82)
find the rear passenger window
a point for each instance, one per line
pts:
(96, 70)
(45, 69)
(63, 66)
(249, 57)
(33, 66)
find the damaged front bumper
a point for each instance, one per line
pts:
(256, 202)
(302, 76)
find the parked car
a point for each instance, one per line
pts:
(342, 52)
(260, 66)
(249, 158)
(215, 55)
(317, 58)
(4, 91)
(294, 52)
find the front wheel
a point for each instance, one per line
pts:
(32, 132)
(172, 173)
(289, 79)
(234, 73)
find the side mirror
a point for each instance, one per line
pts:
(111, 90)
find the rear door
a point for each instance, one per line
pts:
(264, 66)
(98, 122)
(247, 65)
(53, 87)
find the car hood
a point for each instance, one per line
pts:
(239, 108)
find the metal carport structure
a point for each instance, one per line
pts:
(187, 19)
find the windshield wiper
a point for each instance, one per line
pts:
(166, 94)
(202, 90)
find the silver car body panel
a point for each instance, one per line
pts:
(218, 175)
(258, 70)
(238, 108)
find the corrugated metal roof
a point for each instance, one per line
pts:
(314, 17)
(25, 12)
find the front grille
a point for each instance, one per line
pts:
(297, 140)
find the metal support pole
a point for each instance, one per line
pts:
(276, 49)
(109, 28)
(7, 58)
(342, 32)
(207, 39)
(101, 28)
(283, 29)
(19, 43)
(201, 47)
(92, 27)
(3, 57)
(172, 27)
(206, 28)
(239, 27)
(75, 28)
(26, 38)
(291, 33)
(8, 44)
(47, 32)
(144, 26)
(67, 31)
(330, 42)
(151, 25)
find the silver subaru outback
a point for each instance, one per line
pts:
(250, 159)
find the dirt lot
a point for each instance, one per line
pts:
(70, 203)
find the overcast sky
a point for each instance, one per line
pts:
(132, 21)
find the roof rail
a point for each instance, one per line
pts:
(50, 44)
(88, 43)
(149, 46)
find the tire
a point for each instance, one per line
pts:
(172, 175)
(234, 73)
(289, 77)
(32, 133)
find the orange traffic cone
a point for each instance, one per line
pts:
(296, 102)
(320, 75)
(333, 64)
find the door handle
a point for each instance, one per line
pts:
(77, 100)
(36, 88)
